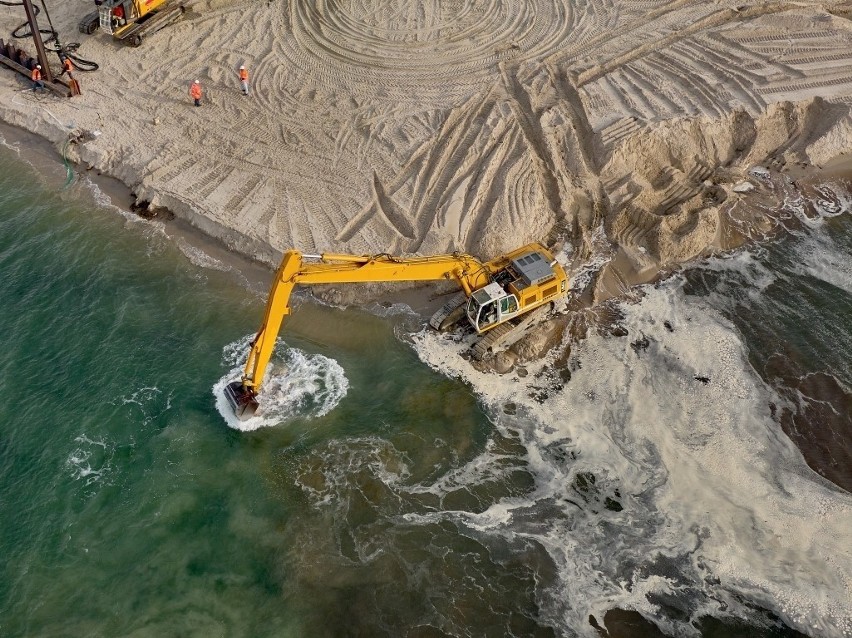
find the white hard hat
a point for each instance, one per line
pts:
(38, 66)
(196, 82)
(242, 67)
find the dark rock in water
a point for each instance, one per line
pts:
(613, 505)
(704, 380)
(640, 344)
(584, 482)
(594, 623)
(143, 208)
(618, 331)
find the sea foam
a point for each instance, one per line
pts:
(709, 503)
(296, 385)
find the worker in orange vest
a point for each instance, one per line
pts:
(35, 76)
(195, 92)
(244, 79)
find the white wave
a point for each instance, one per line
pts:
(818, 253)
(16, 147)
(748, 265)
(833, 199)
(90, 461)
(296, 385)
(149, 401)
(397, 309)
(343, 457)
(235, 353)
(154, 230)
(717, 503)
(602, 253)
(200, 258)
(490, 465)
(102, 199)
(820, 257)
(828, 200)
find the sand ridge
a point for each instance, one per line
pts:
(427, 127)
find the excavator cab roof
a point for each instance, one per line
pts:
(489, 293)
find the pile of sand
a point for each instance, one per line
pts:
(410, 127)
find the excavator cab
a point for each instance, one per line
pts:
(490, 306)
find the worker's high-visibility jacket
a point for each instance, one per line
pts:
(36, 75)
(243, 75)
(67, 65)
(195, 91)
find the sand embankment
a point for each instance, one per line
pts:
(426, 128)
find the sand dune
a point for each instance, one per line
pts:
(425, 127)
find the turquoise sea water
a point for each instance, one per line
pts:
(391, 499)
(128, 506)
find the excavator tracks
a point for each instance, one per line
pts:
(439, 321)
(499, 338)
(152, 23)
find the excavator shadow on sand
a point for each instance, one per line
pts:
(499, 299)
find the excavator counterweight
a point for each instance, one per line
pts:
(501, 292)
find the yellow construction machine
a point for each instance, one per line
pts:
(129, 20)
(496, 299)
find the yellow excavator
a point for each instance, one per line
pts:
(129, 20)
(496, 299)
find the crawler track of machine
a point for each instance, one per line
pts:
(450, 313)
(451, 316)
(504, 335)
(148, 25)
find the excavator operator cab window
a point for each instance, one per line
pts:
(487, 315)
(508, 305)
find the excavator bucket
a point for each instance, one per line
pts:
(242, 400)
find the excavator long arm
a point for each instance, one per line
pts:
(329, 268)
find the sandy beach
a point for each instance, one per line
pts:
(412, 128)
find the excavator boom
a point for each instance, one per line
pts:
(499, 290)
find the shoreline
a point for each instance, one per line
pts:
(615, 280)
(362, 150)
(44, 158)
